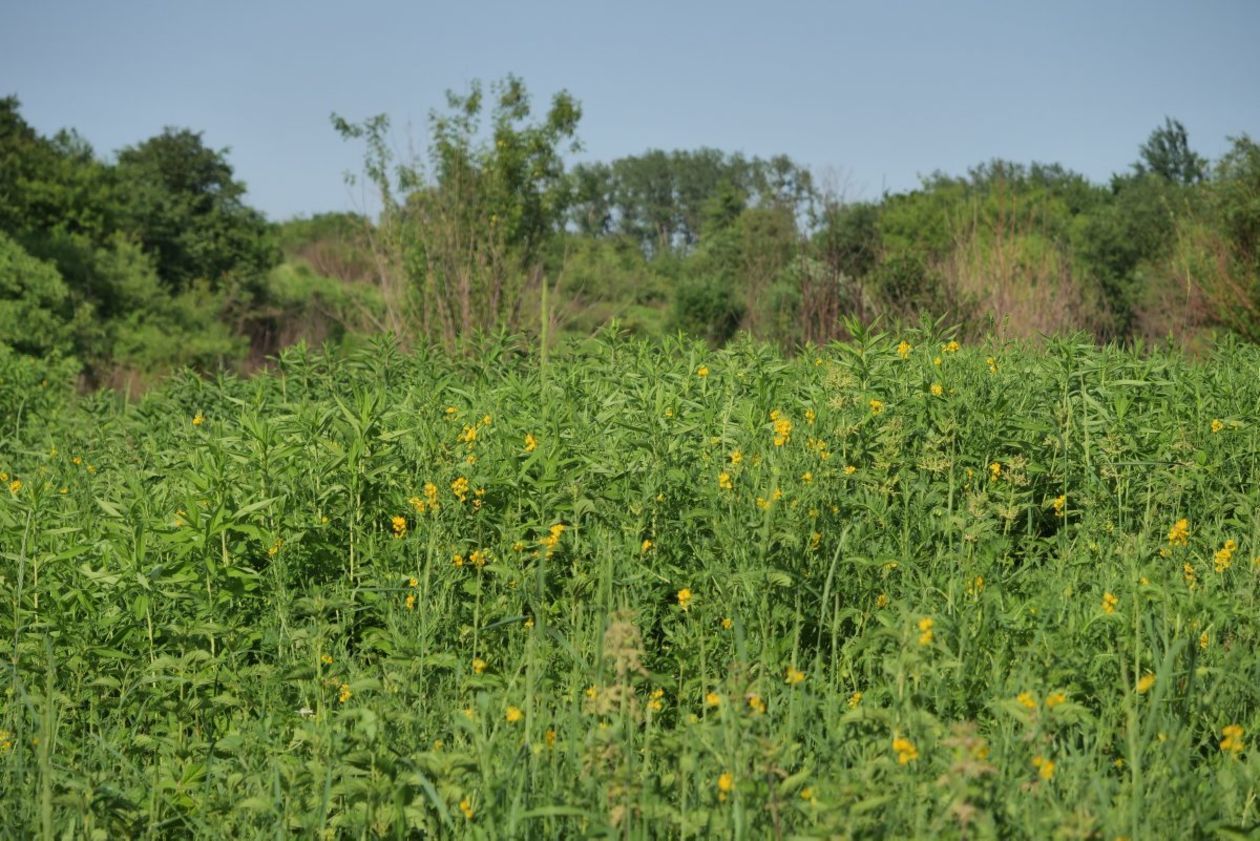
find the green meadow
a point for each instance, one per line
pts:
(893, 587)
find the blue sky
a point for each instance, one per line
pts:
(870, 95)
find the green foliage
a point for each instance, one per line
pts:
(34, 303)
(1167, 155)
(706, 306)
(649, 591)
(460, 245)
(187, 210)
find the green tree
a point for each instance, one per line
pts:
(35, 316)
(457, 245)
(187, 210)
(1167, 153)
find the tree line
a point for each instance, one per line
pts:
(129, 266)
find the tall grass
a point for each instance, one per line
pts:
(894, 589)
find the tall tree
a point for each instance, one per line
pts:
(1167, 153)
(188, 211)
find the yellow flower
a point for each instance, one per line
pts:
(1179, 533)
(855, 699)
(459, 487)
(198, 419)
(431, 494)
(451, 411)
(550, 737)
(1027, 700)
(410, 601)
(457, 560)
(1233, 741)
(1204, 640)
(469, 435)
(531, 443)
(684, 598)
(724, 481)
(1060, 502)
(727, 623)
(479, 665)
(712, 699)
(725, 783)
(937, 389)
(906, 751)
(344, 693)
(1054, 699)
(794, 676)
(702, 371)
(736, 457)
(881, 601)
(1109, 603)
(849, 470)
(326, 659)
(807, 477)
(904, 348)
(756, 703)
(1145, 682)
(1045, 767)
(925, 630)
(1223, 556)
(15, 486)
(655, 704)
(478, 558)
(1217, 426)
(810, 416)
(514, 714)
(877, 406)
(1192, 578)
(807, 794)
(647, 544)
(992, 363)
(465, 806)
(782, 430)
(400, 526)
(995, 470)
(951, 347)
(936, 360)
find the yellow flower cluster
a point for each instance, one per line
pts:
(531, 443)
(906, 751)
(1144, 683)
(1109, 603)
(724, 481)
(1060, 502)
(1217, 426)
(684, 598)
(1045, 767)
(553, 538)
(399, 525)
(1224, 556)
(1179, 534)
(782, 428)
(925, 630)
(904, 348)
(1233, 741)
(794, 676)
(459, 487)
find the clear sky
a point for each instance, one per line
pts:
(871, 95)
